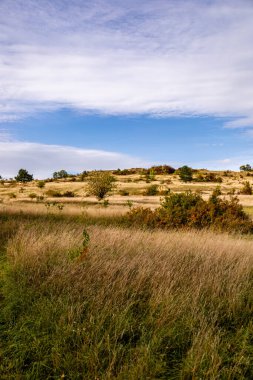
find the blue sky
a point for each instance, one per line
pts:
(107, 84)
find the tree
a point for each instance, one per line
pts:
(185, 173)
(246, 168)
(61, 174)
(100, 183)
(24, 176)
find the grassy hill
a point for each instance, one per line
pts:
(136, 303)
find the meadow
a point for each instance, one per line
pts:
(130, 303)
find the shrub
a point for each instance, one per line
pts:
(129, 203)
(12, 195)
(123, 192)
(142, 217)
(53, 193)
(190, 210)
(164, 192)
(100, 184)
(208, 177)
(32, 195)
(39, 198)
(57, 194)
(125, 171)
(247, 189)
(185, 173)
(152, 190)
(41, 184)
(160, 169)
(68, 194)
(105, 203)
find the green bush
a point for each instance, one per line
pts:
(185, 173)
(208, 177)
(247, 189)
(152, 190)
(53, 193)
(190, 210)
(57, 194)
(41, 184)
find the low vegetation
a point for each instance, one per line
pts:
(247, 189)
(190, 210)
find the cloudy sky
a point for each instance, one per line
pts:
(113, 83)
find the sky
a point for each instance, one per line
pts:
(106, 84)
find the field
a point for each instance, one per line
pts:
(16, 196)
(130, 303)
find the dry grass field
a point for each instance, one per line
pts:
(138, 305)
(17, 196)
(130, 303)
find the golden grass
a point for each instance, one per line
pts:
(141, 304)
(136, 188)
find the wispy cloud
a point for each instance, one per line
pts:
(42, 159)
(108, 56)
(5, 135)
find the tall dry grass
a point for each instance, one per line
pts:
(140, 305)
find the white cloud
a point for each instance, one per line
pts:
(157, 57)
(42, 160)
(229, 163)
(5, 135)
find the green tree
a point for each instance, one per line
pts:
(24, 176)
(100, 184)
(185, 173)
(246, 168)
(61, 174)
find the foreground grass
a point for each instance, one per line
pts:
(139, 305)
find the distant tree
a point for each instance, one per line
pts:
(24, 176)
(246, 168)
(185, 173)
(100, 183)
(162, 169)
(61, 174)
(83, 175)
